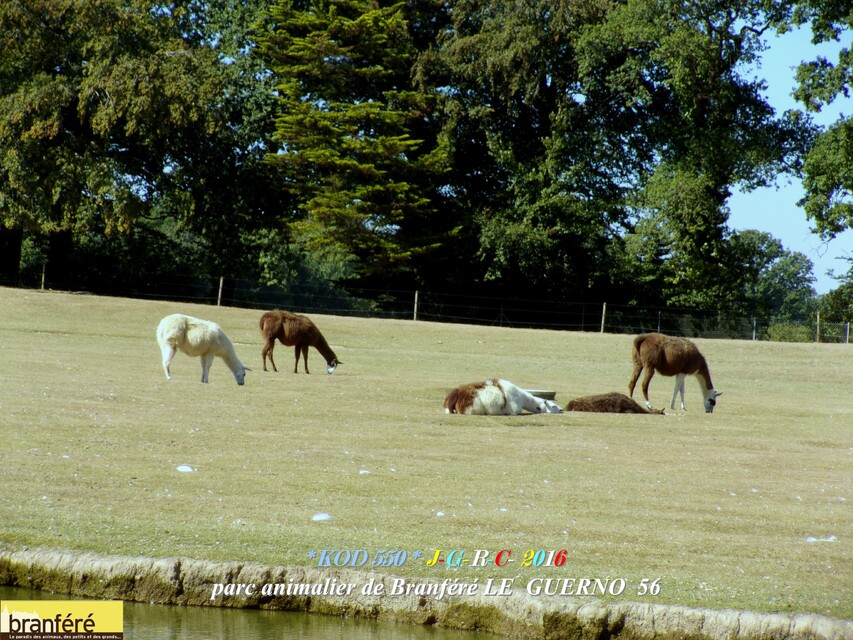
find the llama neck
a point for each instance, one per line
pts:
(703, 375)
(326, 351)
(229, 355)
(529, 401)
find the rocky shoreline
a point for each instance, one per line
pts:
(185, 581)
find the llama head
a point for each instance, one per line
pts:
(332, 365)
(711, 400)
(546, 406)
(552, 407)
(240, 375)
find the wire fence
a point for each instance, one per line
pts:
(484, 310)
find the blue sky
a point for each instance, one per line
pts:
(775, 210)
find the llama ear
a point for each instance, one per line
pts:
(247, 368)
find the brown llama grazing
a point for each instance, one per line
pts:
(671, 357)
(609, 403)
(297, 331)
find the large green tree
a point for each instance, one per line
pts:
(219, 186)
(129, 126)
(357, 145)
(571, 120)
(680, 68)
(91, 93)
(539, 169)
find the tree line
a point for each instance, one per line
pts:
(568, 150)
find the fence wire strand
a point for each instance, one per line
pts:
(486, 310)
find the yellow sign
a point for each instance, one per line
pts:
(61, 619)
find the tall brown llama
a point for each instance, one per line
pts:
(297, 331)
(671, 357)
(609, 403)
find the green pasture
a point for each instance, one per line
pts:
(750, 507)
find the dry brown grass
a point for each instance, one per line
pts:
(719, 507)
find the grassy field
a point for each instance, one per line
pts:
(750, 507)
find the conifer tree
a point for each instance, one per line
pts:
(356, 145)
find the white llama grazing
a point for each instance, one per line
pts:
(495, 397)
(197, 337)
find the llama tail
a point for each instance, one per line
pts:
(265, 320)
(635, 352)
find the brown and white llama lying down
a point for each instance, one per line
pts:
(297, 331)
(197, 337)
(609, 403)
(671, 357)
(495, 397)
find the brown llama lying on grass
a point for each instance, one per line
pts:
(609, 403)
(671, 357)
(297, 331)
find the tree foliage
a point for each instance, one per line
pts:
(91, 94)
(677, 68)
(837, 305)
(560, 114)
(778, 282)
(355, 145)
(577, 150)
(136, 122)
(828, 181)
(537, 176)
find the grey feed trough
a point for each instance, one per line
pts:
(542, 393)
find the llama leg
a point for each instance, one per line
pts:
(206, 361)
(296, 359)
(269, 345)
(305, 357)
(638, 368)
(679, 386)
(650, 371)
(680, 378)
(168, 353)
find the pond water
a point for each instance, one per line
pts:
(147, 622)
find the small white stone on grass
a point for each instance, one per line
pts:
(321, 517)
